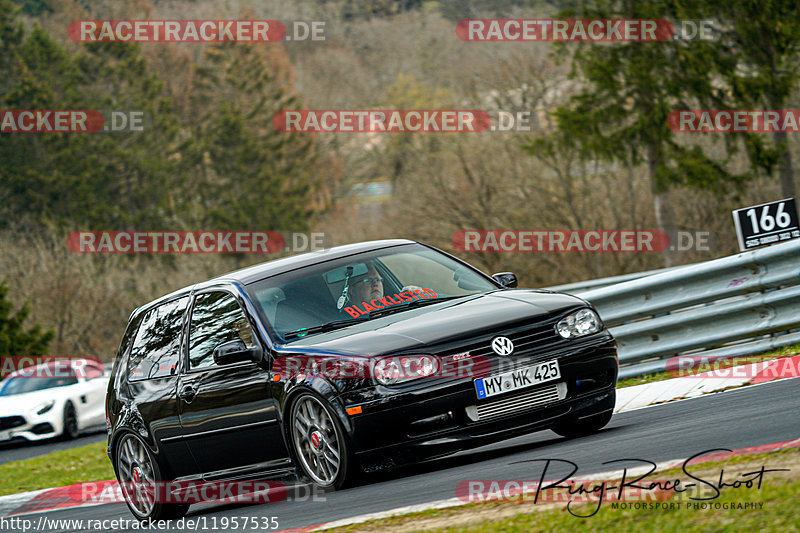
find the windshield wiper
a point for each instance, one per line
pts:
(328, 326)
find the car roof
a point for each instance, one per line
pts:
(279, 266)
(285, 264)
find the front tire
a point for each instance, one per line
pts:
(319, 442)
(70, 429)
(583, 426)
(139, 477)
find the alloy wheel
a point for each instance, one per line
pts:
(136, 475)
(317, 441)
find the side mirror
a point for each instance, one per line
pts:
(236, 352)
(506, 279)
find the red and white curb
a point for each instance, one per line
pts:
(628, 399)
(696, 385)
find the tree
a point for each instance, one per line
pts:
(15, 339)
(629, 90)
(249, 176)
(763, 40)
(67, 180)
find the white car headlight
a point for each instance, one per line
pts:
(578, 324)
(46, 406)
(396, 369)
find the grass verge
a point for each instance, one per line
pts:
(779, 493)
(56, 469)
(787, 351)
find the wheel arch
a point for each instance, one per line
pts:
(324, 390)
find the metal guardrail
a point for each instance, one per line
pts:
(580, 287)
(738, 305)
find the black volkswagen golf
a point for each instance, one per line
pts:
(363, 356)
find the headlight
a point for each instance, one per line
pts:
(43, 408)
(399, 368)
(578, 324)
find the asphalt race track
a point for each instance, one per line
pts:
(735, 419)
(16, 451)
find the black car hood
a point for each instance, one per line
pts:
(420, 328)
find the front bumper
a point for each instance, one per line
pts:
(439, 419)
(31, 427)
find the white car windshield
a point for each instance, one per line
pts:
(336, 293)
(23, 384)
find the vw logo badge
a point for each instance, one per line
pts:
(502, 346)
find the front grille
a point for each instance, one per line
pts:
(42, 429)
(10, 422)
(528, 339)
(535, 340)
(503, 405)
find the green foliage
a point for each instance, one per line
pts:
(15, 339)
(630, 89)
(252, 176)
(34, 8)
(223, 167)
(105, 180)
(83, 464)
(762, 40)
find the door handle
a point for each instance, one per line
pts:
(188, 393)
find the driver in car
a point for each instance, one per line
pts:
(367, 286)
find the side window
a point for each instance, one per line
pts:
(127, 339)
(155, 349)
(216, 319)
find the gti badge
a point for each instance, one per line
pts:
(502, 346)
(460, 356)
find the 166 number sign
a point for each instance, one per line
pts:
(766, 223)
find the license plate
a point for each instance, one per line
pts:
(517, 379)
(5, 435)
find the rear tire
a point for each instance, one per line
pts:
(139, 477)
(583, 426)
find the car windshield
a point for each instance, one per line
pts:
(361, 287)
(23, 384)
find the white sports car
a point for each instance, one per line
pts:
(58, 398)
